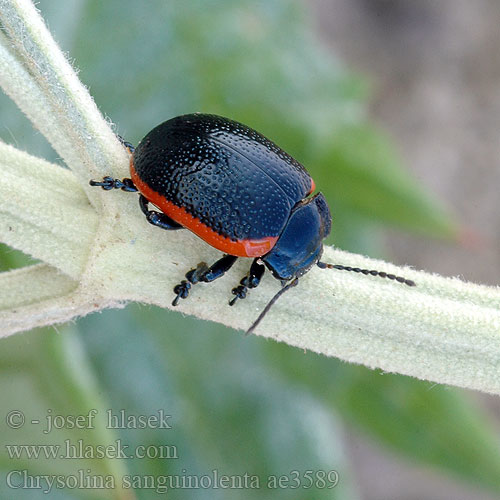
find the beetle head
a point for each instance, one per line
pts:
(300, 244)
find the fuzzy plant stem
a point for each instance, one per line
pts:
(97, 251)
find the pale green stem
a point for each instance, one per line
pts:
(44, 211)
(32, 285)
(37, 76)
(443, 329)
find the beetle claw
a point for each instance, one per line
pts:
(240, 292)
(182, 291)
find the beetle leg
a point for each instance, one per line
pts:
(203, 273)
(109, 183)
(129, 147)
(157, 218)
(251, 280)
(214, 271)
(125, 184)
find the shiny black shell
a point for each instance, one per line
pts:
(225, 174)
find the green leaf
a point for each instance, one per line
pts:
(45, 376)
(428, 423)
(228, 412)
(360, 173)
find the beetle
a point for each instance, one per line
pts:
(239, 192)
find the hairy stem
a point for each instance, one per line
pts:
(99, 252)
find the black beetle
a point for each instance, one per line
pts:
(239, 192)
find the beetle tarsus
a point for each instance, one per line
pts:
(192, 277)
(182, 291)
(240, 292)
(203, 273)
(251, 280)
(109, 183)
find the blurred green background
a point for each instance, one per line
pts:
(239, 405)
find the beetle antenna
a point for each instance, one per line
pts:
(293, 283)
(380, 274)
